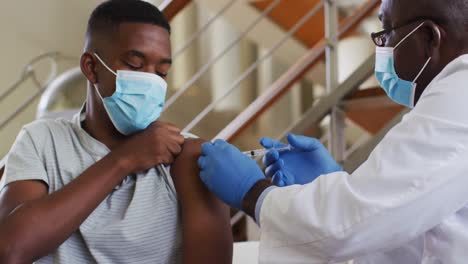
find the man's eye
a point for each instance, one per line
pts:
(132, 67)
(162, 75)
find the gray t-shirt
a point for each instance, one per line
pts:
(137, 223)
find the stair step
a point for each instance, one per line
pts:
(371, 109)
(286, 15)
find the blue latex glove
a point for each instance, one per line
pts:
(227, 172)
(308, 160)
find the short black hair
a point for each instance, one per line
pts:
(111, 13)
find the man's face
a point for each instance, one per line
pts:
(413, 53)
(135, 47)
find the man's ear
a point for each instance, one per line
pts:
(88, 67)
(435, 39)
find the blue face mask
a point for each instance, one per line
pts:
(399, 90)
(137, 102)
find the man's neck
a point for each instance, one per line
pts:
(98, 124)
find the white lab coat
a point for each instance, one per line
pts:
(408, 203)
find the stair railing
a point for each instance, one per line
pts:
(290, 77)
(205, 68)
(236, 84)
(30, 74)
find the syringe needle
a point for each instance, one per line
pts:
(262, 152)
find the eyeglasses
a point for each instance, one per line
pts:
(379, 38)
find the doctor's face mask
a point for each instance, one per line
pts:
(399, 90)
(137, 102)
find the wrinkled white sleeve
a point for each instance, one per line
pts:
(416, 177)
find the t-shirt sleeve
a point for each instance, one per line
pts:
(24, 162)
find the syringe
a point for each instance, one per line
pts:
(262, 152)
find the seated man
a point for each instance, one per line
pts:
(86, 191)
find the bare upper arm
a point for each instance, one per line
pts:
(207, 236)
(191, 190)
(17, 193)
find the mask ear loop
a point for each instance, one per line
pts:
(415, 79)
(99, 93)
(105, 65)
(108, 68)
(406, 37)
(409, 34)
(422, 70)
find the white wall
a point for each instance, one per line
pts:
(29, 28)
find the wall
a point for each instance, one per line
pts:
(30, 28)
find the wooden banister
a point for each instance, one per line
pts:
(175, 7)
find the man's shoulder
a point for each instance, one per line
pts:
(41, 128)
(43, 124)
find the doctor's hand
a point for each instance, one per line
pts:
(303, 164)
(227, 172)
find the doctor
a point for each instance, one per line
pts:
(408, 202)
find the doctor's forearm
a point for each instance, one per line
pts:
(250, 200)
